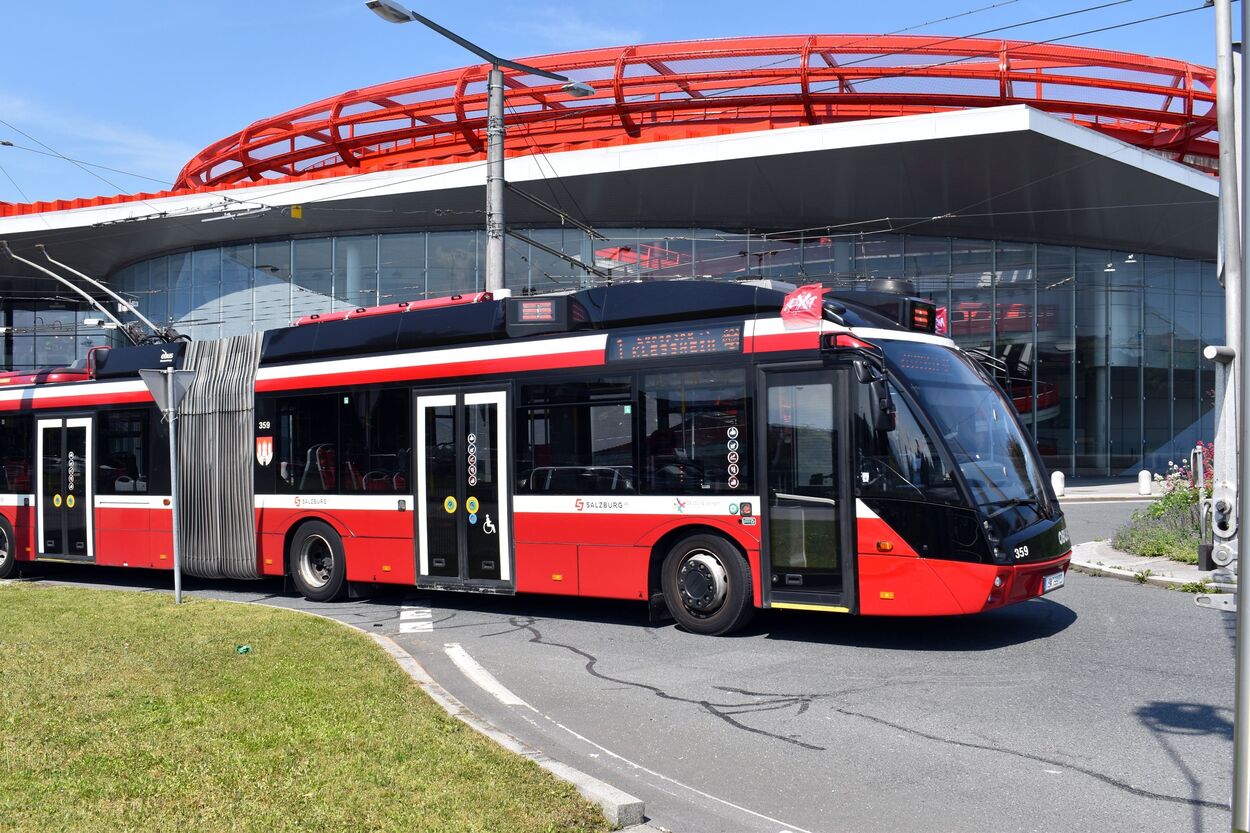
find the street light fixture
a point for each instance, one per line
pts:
(393, 12)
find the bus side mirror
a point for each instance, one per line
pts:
(882, 403)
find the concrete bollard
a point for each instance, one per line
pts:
(1143, 482)
(1057, 483)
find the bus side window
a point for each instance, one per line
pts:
(306, 451)
(903, 463)
(375, 435)
(576, 438)
(123, 452)
(697, 425)
(15, 454)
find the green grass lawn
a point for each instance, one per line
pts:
(122, 712)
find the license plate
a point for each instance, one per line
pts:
(1052, 582)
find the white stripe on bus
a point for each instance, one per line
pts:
(727, 505)
(334, 502)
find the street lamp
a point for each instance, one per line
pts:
(392, 12)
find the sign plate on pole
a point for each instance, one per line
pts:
(157, 386)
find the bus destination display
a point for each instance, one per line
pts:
(684, 341)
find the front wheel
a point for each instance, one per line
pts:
(707, 585)
(317, 562)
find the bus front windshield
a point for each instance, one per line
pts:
(979, 426)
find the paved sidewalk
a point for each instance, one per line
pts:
(1100, 558)
(1078, 491)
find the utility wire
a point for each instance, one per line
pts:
(88, 164)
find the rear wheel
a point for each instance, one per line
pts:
(317, 562)
(8, 550)
(707, 585)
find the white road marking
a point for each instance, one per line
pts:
(674, 781)
(481, 677)
(416, 619)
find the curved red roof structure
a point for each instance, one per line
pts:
(711, 87)
(689, 89)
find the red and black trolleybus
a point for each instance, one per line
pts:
(710, 448)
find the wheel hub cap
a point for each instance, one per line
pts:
(703, 582)
(316, 561)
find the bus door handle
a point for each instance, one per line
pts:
(805, 498)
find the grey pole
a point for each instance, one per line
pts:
(1238, 338)
(494, 182)
(172, 415)
(1224, 516)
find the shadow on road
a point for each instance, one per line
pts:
(1032, 620)
(1169, 721)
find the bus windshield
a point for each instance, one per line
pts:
(977, 424)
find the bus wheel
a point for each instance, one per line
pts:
(8, 550)
(707, 585)
(317, 563)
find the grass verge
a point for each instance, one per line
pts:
(120, 711)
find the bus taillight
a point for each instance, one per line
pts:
(843, 341)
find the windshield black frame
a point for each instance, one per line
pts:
(998, 466)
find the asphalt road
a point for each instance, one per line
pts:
(1104, 707)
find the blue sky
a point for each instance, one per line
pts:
(141, 85)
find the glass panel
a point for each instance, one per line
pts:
(904, 463)
(206, 293)
(669, 253)
(1212, 334)
(717, 254)
(122, 462)
(271, 285)
(1056, 287)
(778, 257)
(452, 263)
(828, 255)
(1090, 404)
(1157, 364)
(307, 445)
(482, 497)
(577, 449)
(880, 256)
(1013, 329)
(374, 433)
(181, 291)
(401, 275)
(15, 455)
(971, 316)
(696, 432)
(158, 293)
(77, 470)
(236, 290)
(1125, 353)
(927, 263)
(312, 278)
(51, 496)
(1186, 351)
(356, 271)
(442, 546)
(803, 485)
(548, 272)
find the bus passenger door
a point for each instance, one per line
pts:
(63, 493)
(808, 558)
(463, 492)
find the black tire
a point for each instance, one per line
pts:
(317, 563)
(707, 585)
(8, 550)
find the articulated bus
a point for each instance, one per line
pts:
(707, 448)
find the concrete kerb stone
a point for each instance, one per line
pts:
(1099, 558)
(621, 809)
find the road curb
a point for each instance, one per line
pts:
(621, 809)
(1106, 499)
(1095, 569)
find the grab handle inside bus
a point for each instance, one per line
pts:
(882, 402)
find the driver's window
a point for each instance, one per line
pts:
(903, 463)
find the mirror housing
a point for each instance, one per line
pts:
(884, 412)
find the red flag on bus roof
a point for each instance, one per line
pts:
(802, 306)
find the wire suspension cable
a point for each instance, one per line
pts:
(156, 331)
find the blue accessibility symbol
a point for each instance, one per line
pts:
(473, 519)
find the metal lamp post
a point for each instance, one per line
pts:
(393, 12)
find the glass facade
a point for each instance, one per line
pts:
(1102, 347)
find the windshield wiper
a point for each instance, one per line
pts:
(1011, 503)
